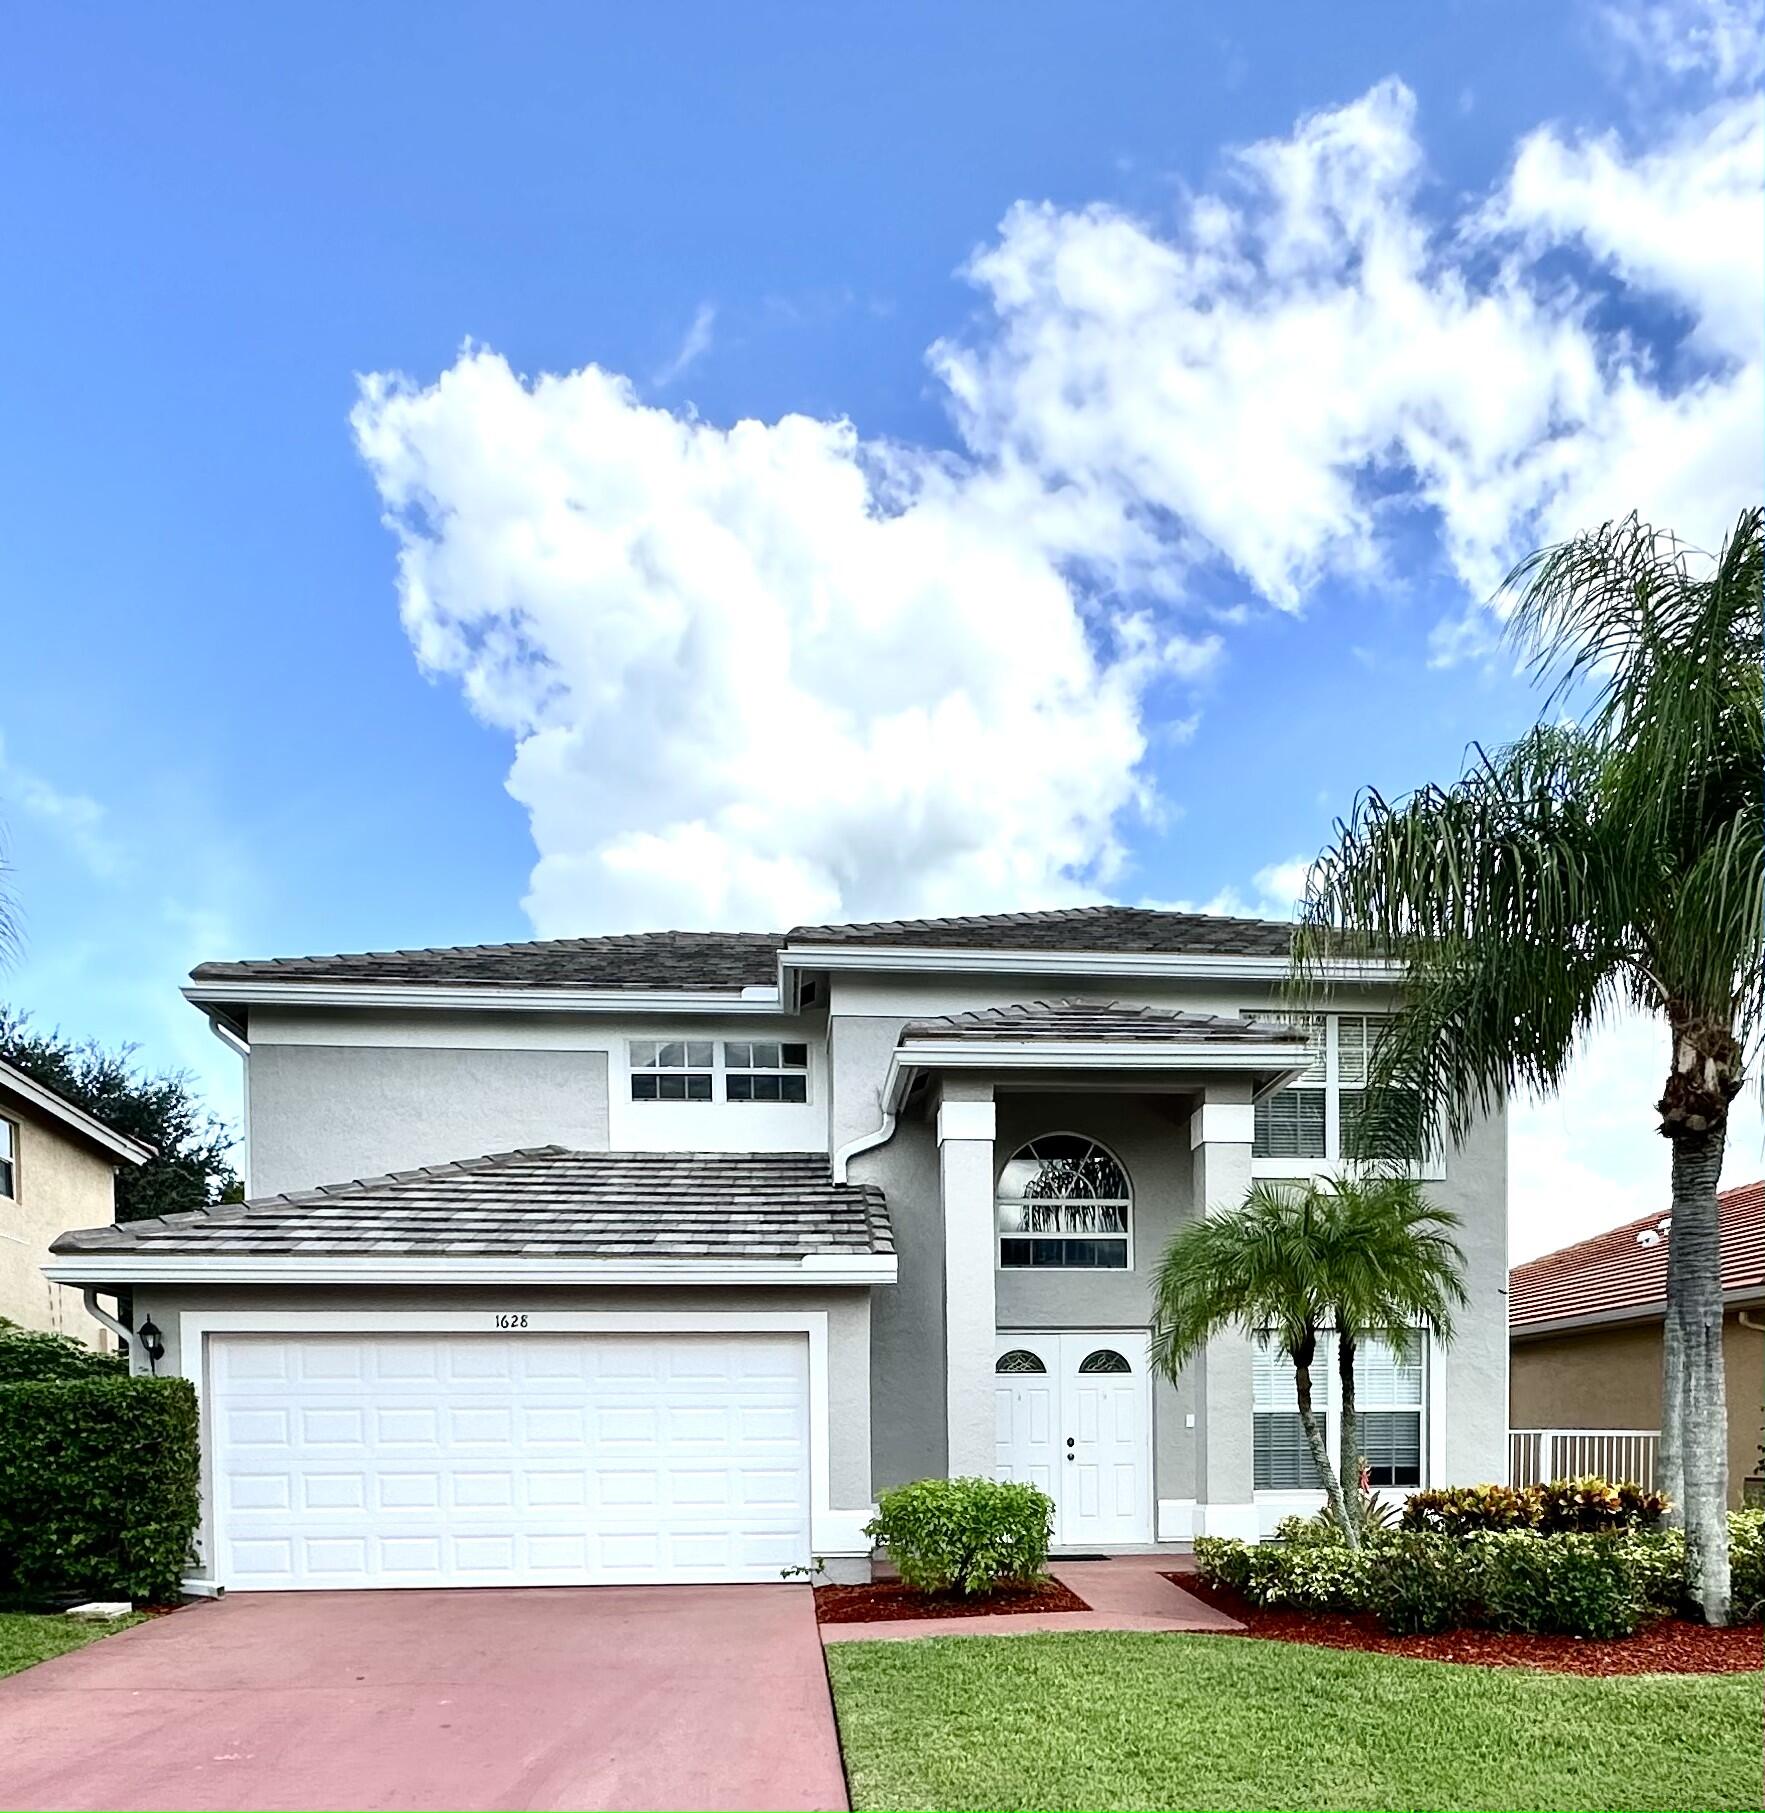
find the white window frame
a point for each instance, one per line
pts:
(727, 1070)
(1326, 1395)
(1000, 1235)
(9, 1160)
(1431, 1166)
(633, 1069)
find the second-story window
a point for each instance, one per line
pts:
(1314, 1117)
(671, 1070)
(8, 1159)
(765, 1070)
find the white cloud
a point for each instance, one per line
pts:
(1722, 41)
(694, 344)
(1277, 890)
(778, 671)
(1589, 1158)
(76, 819)
(760, 674)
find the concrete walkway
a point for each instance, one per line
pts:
(616, 1697)
(1128, 1592)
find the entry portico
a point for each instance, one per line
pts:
(1205, 1071)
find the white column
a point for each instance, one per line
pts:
(965, 1181)
(1220, 1133)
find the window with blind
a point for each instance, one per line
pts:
(8, 1159)
(1282, 1458)
(1388, 1391)
(1316, 1115)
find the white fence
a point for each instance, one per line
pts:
(1535, 1455)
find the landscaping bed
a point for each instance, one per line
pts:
(1667, 1646)
(889, 1600)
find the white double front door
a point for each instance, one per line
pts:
(1073, 1417)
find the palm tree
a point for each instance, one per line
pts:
(1394, 1266)
(1288, 1261)
(1613, 863)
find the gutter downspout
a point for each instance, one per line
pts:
(89, 1296)
(862, 1143)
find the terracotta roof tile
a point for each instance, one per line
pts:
(1626, 1268)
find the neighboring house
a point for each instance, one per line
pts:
(57, 1165)
(675, 1249)
(1586, 1327)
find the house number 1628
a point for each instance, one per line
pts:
(505, 1320)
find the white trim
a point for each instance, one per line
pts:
(1126, 1236)
(58, 1108)
(1224, 1123)
(1274, 1061)
(1434, 1411)
(291, 1268)
(503, 998)
(966, 1120)
(1065, 963)
(1176, 1520)
(1240, 1522)
(832, 1533)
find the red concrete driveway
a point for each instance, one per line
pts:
(650, 1697)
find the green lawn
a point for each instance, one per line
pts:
(27, 1638)
(1132, 1719)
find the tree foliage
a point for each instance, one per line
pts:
(191, 1166)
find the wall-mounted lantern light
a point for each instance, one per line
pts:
(152, 1344)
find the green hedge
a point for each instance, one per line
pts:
(964, 1535)
(29, 1356)
(98, 1487)
(1566, 1582)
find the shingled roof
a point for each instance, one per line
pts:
(546, 1202)
(737, 960)
(1101, 1022)
(1625, 1269)
(636, 960)
(1093, 928)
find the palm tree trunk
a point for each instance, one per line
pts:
(1320, 1450)
(1669, 1465)
(1348, 1442)
(1694, 1311)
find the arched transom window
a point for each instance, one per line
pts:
(1063, 1201)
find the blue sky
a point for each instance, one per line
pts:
(1201, 365)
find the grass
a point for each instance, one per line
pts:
(27, 1638)
(1134, 1719)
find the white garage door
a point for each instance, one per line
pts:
(497, 1460)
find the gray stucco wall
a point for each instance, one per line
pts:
(321, 1114)
(848, 1338)
(1476, 1363)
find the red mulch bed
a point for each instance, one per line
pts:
(888, 1600)
(1673, 1646)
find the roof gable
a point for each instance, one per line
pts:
(73, 1119)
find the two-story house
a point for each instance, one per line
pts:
(657, 1257)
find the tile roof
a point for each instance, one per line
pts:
(1101, 1022)
(636, 960)
(736, 960)
(546, 1202)
(1624, 1269)
(1093, 928)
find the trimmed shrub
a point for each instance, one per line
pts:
(1746, 1565)
(964, 1535)
(1418, 1584)
(1225, 1562)
(98, 1487)
(1655, 1562)
(29, 1356)
(1309, 1570)
(1569, 1585)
